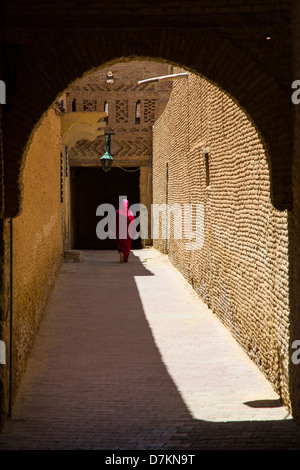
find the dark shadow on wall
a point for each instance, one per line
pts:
(294, 355)
(96, 379)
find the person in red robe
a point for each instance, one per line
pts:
(125, 230)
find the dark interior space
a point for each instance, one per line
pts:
(91, 187)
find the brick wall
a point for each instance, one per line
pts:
(295, 224)
(131, 145)
(226, 41)
(37, 239)
(132, 140)
(241, 271)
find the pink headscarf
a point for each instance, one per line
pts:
(124, 208)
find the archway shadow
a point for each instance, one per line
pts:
(97, 380)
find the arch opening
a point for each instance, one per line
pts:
(265, 141)
(235, 77)
(203, 128)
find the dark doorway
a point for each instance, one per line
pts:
(91, 187)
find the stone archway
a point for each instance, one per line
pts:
(229, 50)
(50, 62)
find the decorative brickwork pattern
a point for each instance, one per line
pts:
(149, 111)
(242, 270)
(89, 105)
(132, 138)
(107, 88)
(121, 148)
(121, 111)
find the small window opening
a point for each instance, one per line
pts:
(61, 178)
(138, 112)
(207, 174)
(106, 111)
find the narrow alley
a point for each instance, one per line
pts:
(129, 358)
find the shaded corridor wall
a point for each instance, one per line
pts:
(37, 239)
(295, 222)
(241, 271)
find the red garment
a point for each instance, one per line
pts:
(125, 229)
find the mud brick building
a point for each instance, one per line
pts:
(250, 52)
(131, 110)
(237, 256)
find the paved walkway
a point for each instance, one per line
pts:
(128, 357)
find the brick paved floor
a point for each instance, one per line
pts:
(128, 357)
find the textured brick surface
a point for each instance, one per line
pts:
(37, 240)
(242, 269)
(152, 372)
(131, 143)
(295, 221)
(244, 47)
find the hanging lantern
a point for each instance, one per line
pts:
(107, 159)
